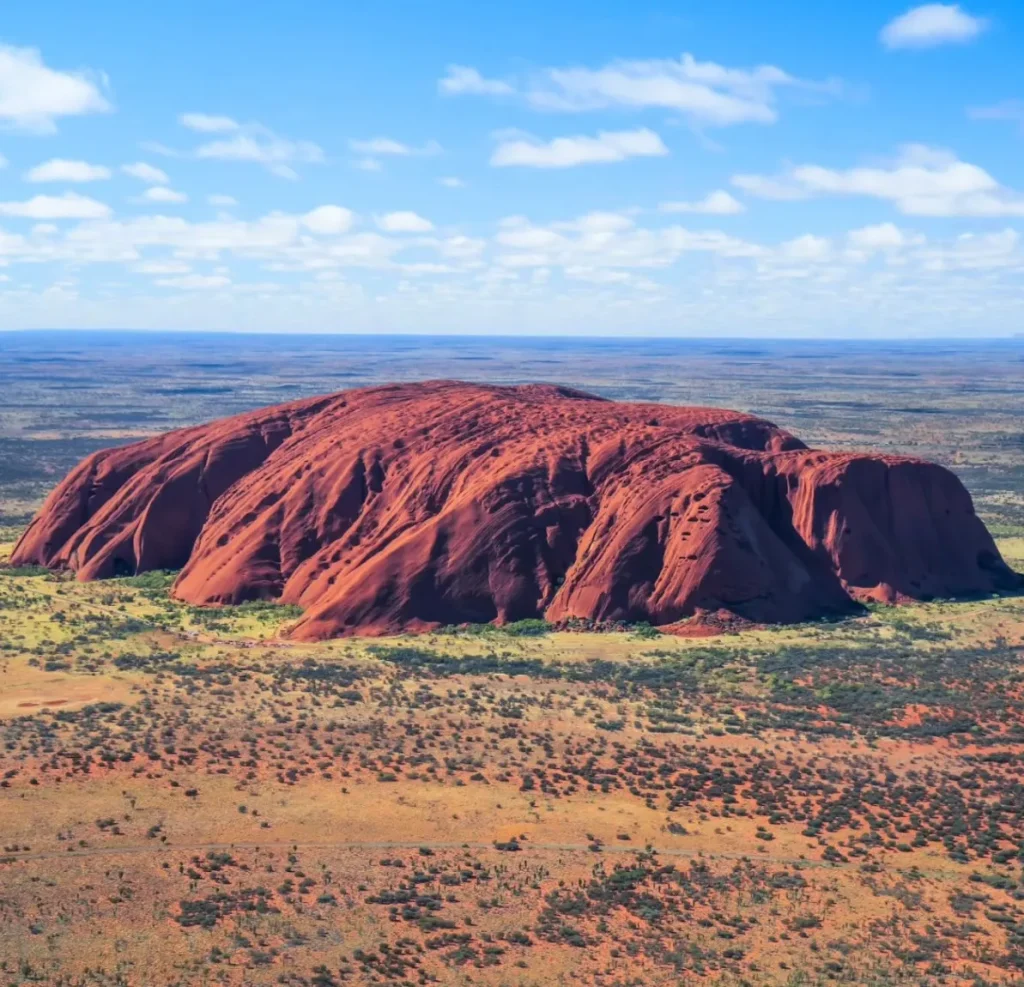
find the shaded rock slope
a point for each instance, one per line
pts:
(409, 506)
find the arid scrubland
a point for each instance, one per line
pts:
(188, 799)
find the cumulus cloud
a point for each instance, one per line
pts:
(280, 241)
(33, 95)
(161, 267)
(930, 25)
(70, 205)
(598, 266)
(206, 123)
(706, 93)
(920, 181)
(250, 142)
(276, 154)
(327, 220)
(808, 248)
(224, 201)
(881, 236)
(976, 252)
(604, 259)
(379, 145)
(404, 222)
(603, 240)
(160, 193)
(603, 276)
(62, 170)
(147, 173)
(462, 80)
(568, 152)
(450, 181)
(718, 203)
(196, 282)
(376, 147)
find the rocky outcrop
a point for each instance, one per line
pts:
(409, 506)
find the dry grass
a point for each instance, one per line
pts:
(163, 765)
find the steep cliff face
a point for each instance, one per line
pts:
(409, 506)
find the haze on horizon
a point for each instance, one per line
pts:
(578, 169)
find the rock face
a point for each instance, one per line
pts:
(410, 506)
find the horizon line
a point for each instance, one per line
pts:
(1017, 337)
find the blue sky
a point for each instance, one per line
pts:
(738, 168)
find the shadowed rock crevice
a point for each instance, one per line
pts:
(408, 506)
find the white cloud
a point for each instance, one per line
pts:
(102, 241)
(160, 193)
(528, 237)
(465, 249)
(161, 267)
(327, 220)
(718, 203)
(603, 276)
(404, 222)
(808, 248)
(147, 173)
(195, 282)
(461, 80)
(387, 146)
(163, 150)
(920, 181)
(932, 24)
(426, 268)
(593, 270)
(450, 181)
(360, 250)
(882, 236)
(223, 201)
(33, 96)
(608, 240)
(70, 205)
(61, 170)
(379, 145)
(205, 123)
(276, 154)
(706, 93)
(976, 252)
(247, 142)
(277, 239)
(596, 223)
(568, 152)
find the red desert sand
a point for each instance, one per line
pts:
(410, 506)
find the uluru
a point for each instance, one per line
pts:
(410, 506)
